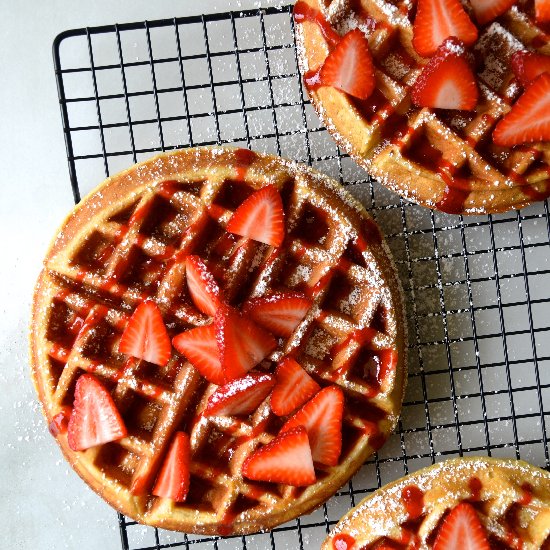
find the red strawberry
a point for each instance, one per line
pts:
(241, 343)
(322, 418)
(60, 422)
(279, 313)
(542, 11)
(349, 66)
(241, 396)
(447, 81)
(294, 387)
(461, 530)
(173, 479)
(286, 459)
(199, 346)
(529, 119)
(437, 20)
(528, 65)
(145, 335)
(487, 10)
(203, 288)
(95, 418)
(260, 217)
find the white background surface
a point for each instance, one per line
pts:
(44, 505)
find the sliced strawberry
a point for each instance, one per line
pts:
(241, 343)
(202, 286)
(294, 387)
(95, 418)
(487, 10)
(241, 396)
(145, 335)
(279, 313)
(447, 81)
(529, 119)
(349, 66)
(200, 347)
(60, 422)
(528, 65)
(260, 217)
(461, 530)
(173, 479)
(437, 20)
(542, 11)
(286, 459)
(322, 418)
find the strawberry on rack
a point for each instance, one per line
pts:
(528, 65)
(542, 11)
(260, 217)
(447, 81)
(322, 418)
(294, 387)
(462, 530)
(240, 396)
(437, 20)
(145, 335)
(200, 347)
(203, 288)
(529, 119)
(349, 66)
(174, 476)
(487, 10)
(241, 343)
(279, 313)
(95, 418)
(286, 459)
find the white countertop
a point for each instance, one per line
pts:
(44, 504)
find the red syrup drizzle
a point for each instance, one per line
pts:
(474, 484)
(526, 494)
(413, 500)
(243, 158)
(343, 541)
(304, 12)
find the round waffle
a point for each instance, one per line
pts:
(126, 242)
(511, 499)
(441, 159)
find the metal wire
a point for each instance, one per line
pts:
(476, 288)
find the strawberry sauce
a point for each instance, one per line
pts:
(475, 488)
(343, 541)
(304, 12)
(244, 158)
(413, 500)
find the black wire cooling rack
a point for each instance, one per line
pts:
(477, 288)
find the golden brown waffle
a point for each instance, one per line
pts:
(127, 241)
(437, 158)
(511, 498)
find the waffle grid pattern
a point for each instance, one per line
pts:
(476, 287)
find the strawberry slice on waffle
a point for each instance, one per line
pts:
(260, 217)
(175, 473)
(447, 81)
(202, 285)
(286, 459)
(487, 10)
(145, 335)
(437, 20)
(529, 119)
(528, 65)
(95, 418)
(240, 396)
(542, 11)
(322, 418)
(294, 387)
(349, 66)
(279, 313)
(462, 529)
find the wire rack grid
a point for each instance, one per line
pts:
(477, 288)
